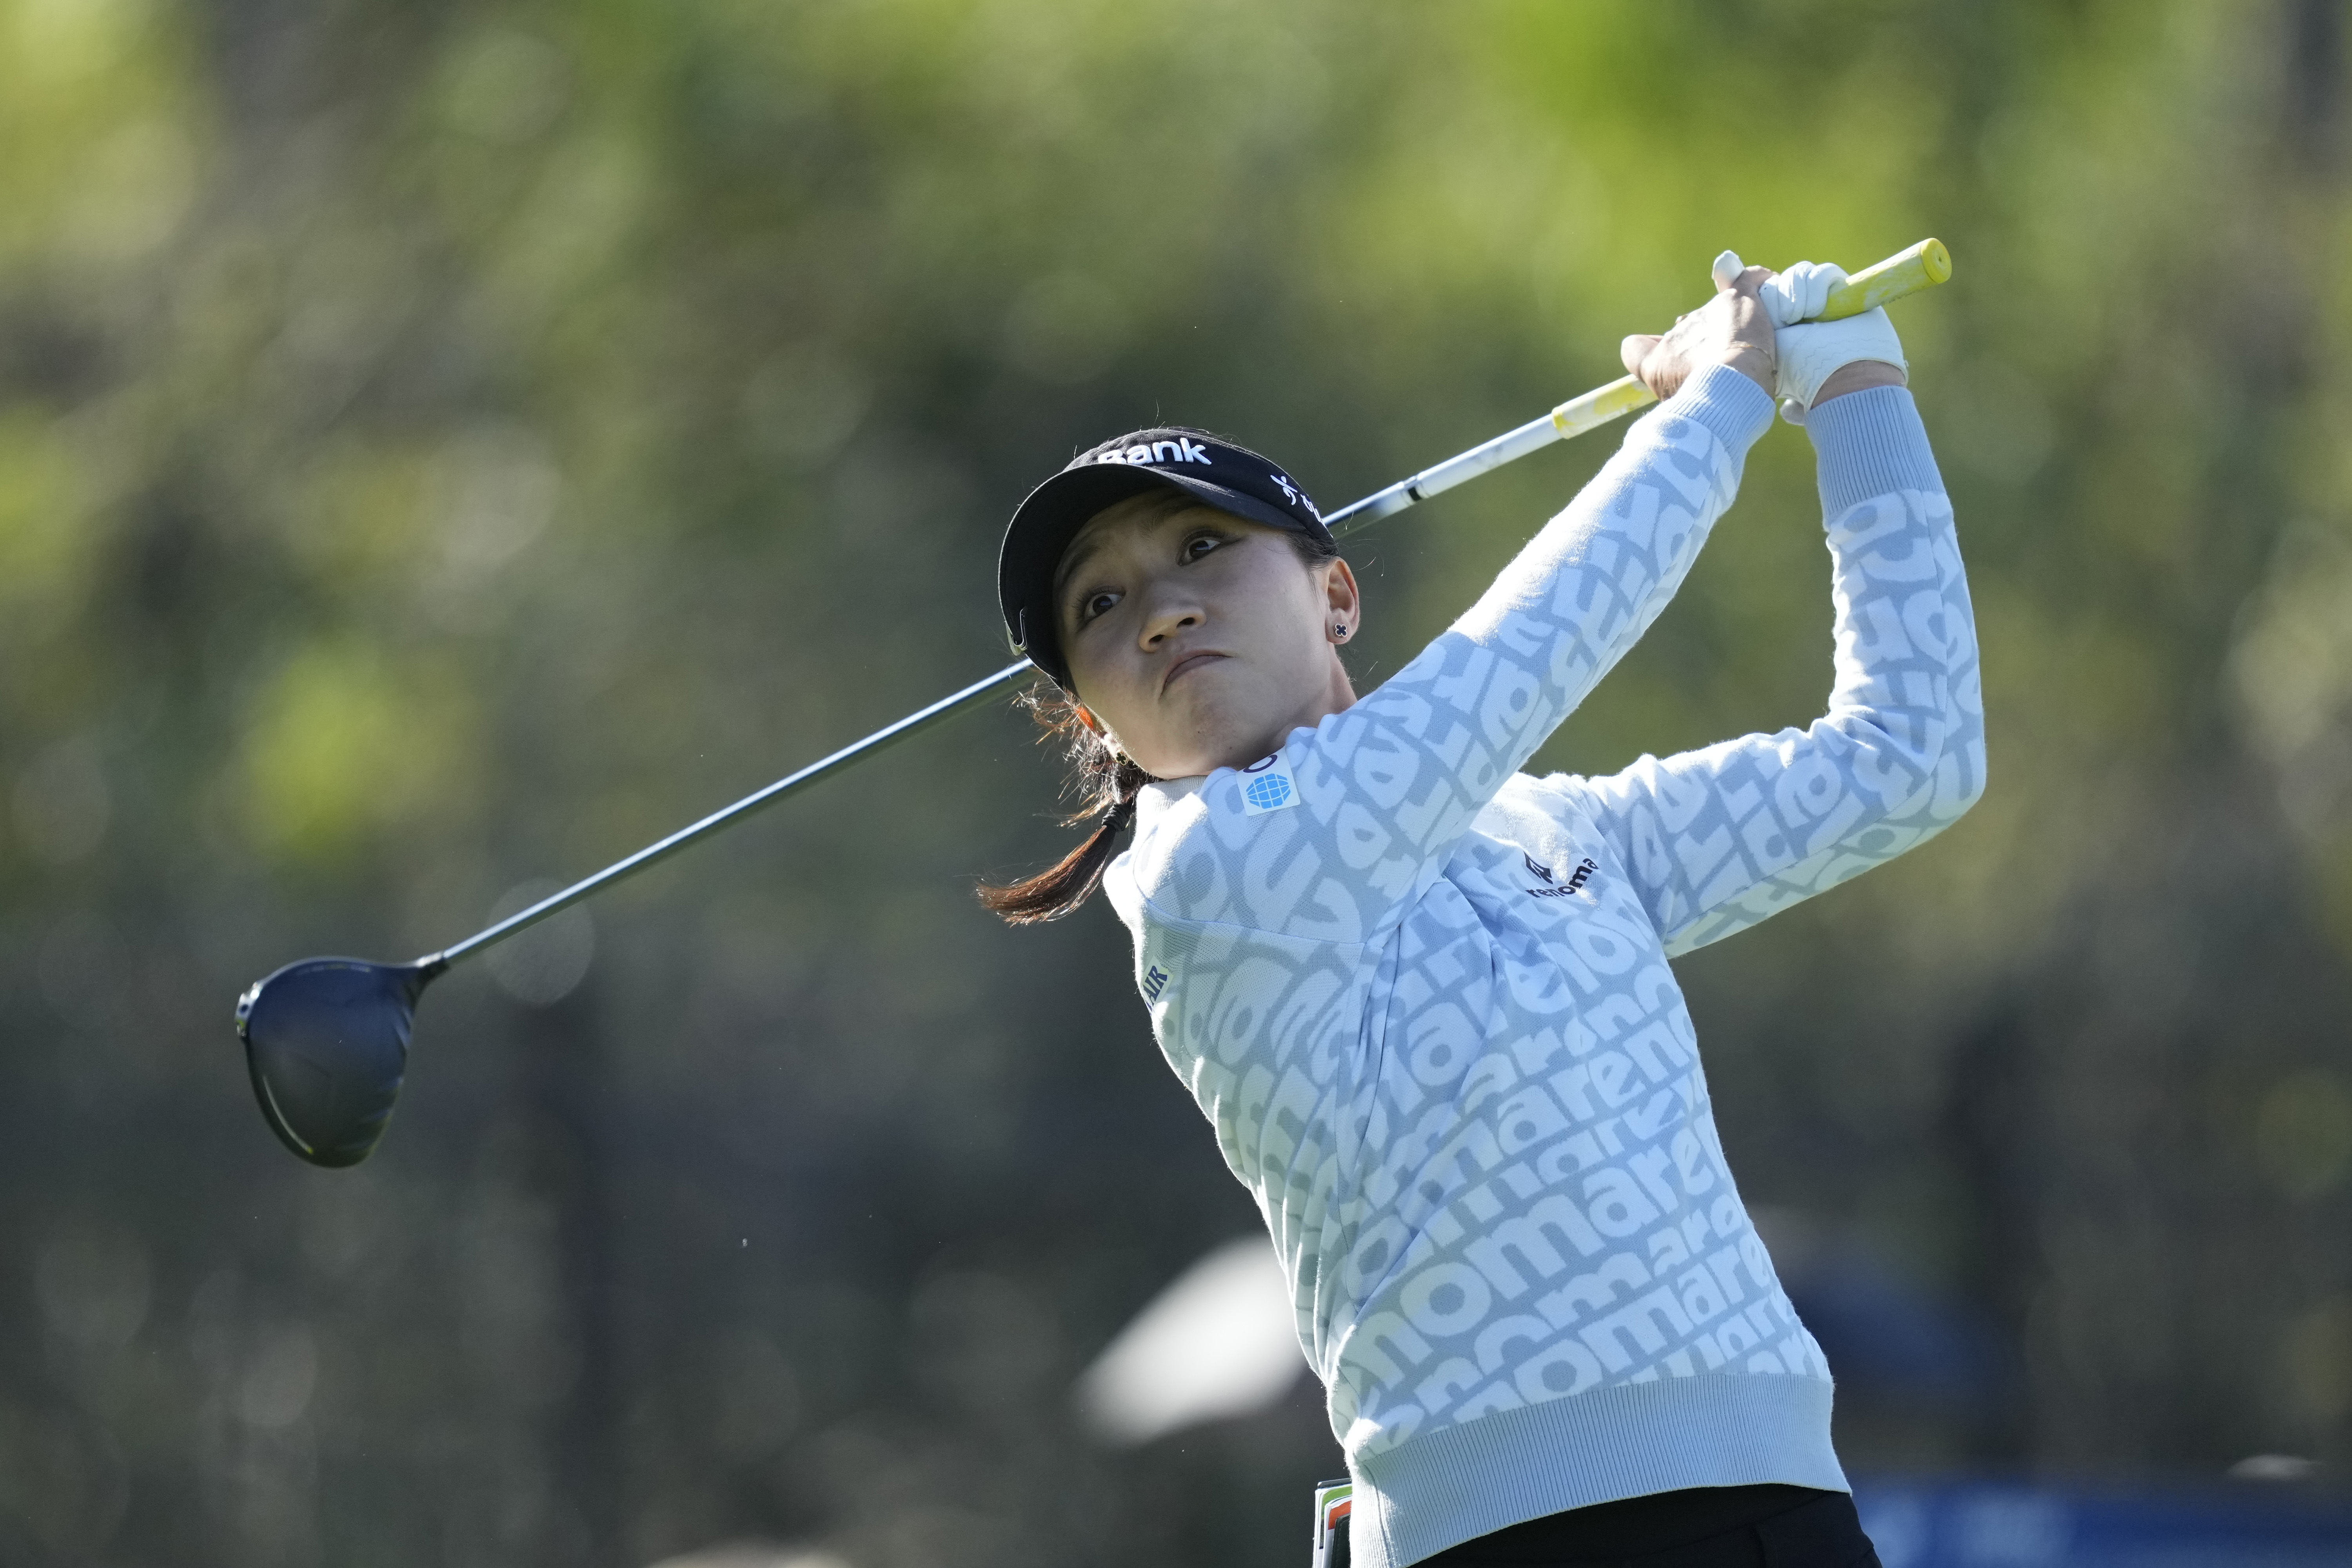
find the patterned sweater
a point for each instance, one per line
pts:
(1425, 998)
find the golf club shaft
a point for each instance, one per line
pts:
(914, 723)
(1923, 266)
(1906, 272)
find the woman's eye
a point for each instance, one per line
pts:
(1200, 545)
(1097, 604)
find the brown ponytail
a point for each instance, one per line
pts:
(1106, 785)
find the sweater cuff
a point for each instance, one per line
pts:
(1727, 403)
(1870, 443)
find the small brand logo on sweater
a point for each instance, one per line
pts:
(1266, 786)
(1554, 888)
(1155, 981)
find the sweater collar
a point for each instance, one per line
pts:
(1155, 800)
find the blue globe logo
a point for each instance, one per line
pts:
(1267, 791)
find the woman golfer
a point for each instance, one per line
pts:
(1425, 998)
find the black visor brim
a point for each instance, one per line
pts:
(1044, 524)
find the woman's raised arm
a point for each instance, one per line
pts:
(1719, 838)
(1373, 798)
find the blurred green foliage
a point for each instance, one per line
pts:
(447, 446)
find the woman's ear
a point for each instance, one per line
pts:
(1343, 603)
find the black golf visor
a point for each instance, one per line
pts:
(1216, 473)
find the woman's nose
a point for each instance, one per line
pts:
(1169, 617)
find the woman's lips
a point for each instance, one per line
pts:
(1185, 666)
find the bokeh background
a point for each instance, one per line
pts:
(443, 446)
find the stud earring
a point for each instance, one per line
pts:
(1339, 631)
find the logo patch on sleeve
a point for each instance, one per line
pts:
(1266, 786)
(1155, 981)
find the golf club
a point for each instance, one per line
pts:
(326, 1039)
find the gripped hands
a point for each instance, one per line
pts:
(1733, 329)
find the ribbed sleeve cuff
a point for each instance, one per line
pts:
(1736, 409)
(1870, 443)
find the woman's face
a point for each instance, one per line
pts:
(1198, 640)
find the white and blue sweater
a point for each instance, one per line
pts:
(1425, 998)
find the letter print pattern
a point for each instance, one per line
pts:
(1466, 1096)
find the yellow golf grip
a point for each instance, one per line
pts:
(1923, 266)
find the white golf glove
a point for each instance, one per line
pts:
(1797, 295)
(1808, 353)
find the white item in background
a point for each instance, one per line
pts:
(1220, 1340)
(753, 1555)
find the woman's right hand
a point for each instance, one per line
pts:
(1733, 329)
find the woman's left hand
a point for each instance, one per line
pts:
(1733, 329)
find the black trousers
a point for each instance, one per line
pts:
(1707, 1527)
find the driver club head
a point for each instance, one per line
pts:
(326, 1040)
